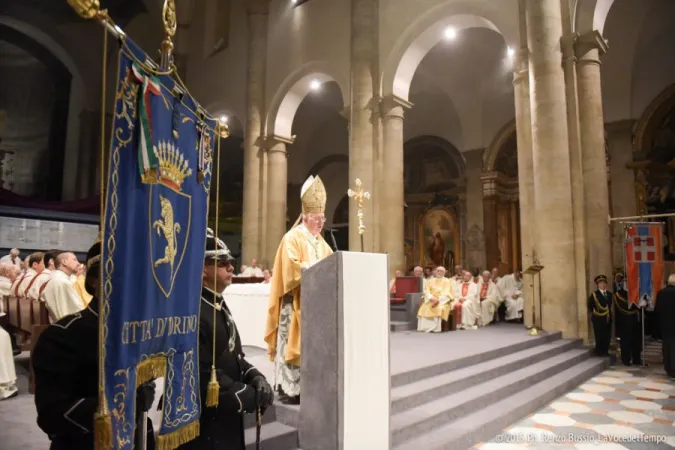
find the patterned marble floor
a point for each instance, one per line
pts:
(622, 408)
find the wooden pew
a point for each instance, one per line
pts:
(247, 280)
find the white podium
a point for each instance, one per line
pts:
(344, 369)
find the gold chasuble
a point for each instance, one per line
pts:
(298, 250)
(440, 289)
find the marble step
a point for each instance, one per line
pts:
(433, 370)
(397, 326)
(427, 417)
(417, 393)
(483, 424)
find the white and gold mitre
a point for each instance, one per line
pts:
(313, 196)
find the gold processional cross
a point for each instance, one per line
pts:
(359, 195)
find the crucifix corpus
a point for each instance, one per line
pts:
(359, 195)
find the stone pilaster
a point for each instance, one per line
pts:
(528, 217)
(551, 163)
(588, 48)
(361, 165)
(255, 103)
(277, 181)
(567, 44)
(391, 196)
(622, 194)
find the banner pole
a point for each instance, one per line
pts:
(641, 218)
(644, 359)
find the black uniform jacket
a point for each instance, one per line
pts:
(222, 428)
(602, 309)
(65, 362)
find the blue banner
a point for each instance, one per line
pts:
(153, 249)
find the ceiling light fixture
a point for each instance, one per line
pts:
(315, 85)
(450, 33)
(223, 119)
(510, 52)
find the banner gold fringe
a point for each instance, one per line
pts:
(212, 390)
(179, 437)
(150, 369)
(103, 431)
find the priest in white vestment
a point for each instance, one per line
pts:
(8, 272)
(512, 290)
(437, 302)
(35, 267)
(7, 371)
(36, 287)
(60, 296)
(253, 270)
(466, 302)
(489, 299)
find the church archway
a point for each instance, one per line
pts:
(36, 99)
(654, 165)
(591, 15)
(424, 34)
(285, 103)
(501, 207)
(434, 173)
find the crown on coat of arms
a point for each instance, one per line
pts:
(173, 166)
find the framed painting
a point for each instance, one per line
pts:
(439, 238)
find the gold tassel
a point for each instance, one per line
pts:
(102, 430)
(175, 439)
(150, 369)
(212, 390)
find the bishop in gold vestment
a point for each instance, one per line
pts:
(300, 248)
(438, 296)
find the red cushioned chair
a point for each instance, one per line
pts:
(405, 301)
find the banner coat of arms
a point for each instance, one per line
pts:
(153, 249)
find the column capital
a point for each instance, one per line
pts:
(254, 7)
(567, 46)
(393, 106)
(521, 76)
(271, 143)
(586, 43)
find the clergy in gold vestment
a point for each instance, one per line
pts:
(437, 300)
(300, 248)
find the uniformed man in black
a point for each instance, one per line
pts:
(242, 388)
(65, 363)
(600, 307)
(628, 325)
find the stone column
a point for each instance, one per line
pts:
(521, 88)
(363, 59)
(528, 229)
(490, 202)
(596, 198)
(277, 181)
(622, 193)
(577, 177)
(255, 104)
(391, 198)
(551, 164)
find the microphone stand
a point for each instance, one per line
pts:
(332, 237)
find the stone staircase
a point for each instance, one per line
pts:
(459, 403)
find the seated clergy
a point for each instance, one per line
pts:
(489, 299)
(512, 290)
(392, 283)
(34, 267)
(466, 302)
(61, 298)
(437, 302)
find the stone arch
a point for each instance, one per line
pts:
(326, 161)
(652, 118)
(52, 45)
(426, 32)
(448, 148)
(497, 145)
(293, 89)
(591, 15)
